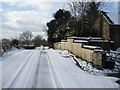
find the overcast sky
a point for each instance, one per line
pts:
(22, 15)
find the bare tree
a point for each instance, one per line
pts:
(73, 8)
(85, 12)
(26, 37)
(78, 10)
(37, 40)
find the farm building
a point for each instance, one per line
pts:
(91, 49)
(108, 25)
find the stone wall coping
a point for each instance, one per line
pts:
(102, 41)
(91, 47)
(98, 50)
(85, 38)
(72, 37)
(63, 40)
(80, 41)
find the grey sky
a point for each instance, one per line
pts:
(20, 15)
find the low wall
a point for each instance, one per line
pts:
(55, 45)
(63, 45)
(87, 54)
(70, 44)
(59, 45)
(77, 49)
(97, 59)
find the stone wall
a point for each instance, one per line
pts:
(102, 27)
(59, 45)
(97, 59)
(105, 30)
(70, 45)
(64, 46)
(87, 54)
(55, 45)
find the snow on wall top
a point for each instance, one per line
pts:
(91, 47)
(63, 40)
(85, 38)
(106, 41)
(80, 41)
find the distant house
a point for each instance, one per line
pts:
(108, 27)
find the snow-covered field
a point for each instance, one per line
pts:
(48, 68)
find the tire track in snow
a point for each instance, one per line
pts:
(12, 60)
(45, 76)
(14, 77)
(42, 75)
(55, 75)
(25, 79)
(34, 85)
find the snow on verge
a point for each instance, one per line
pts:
(85, 65)
(73, 77)
(10, 52)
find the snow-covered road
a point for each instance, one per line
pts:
(27, 69)
(47, 69)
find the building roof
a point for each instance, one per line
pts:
(112, 18)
